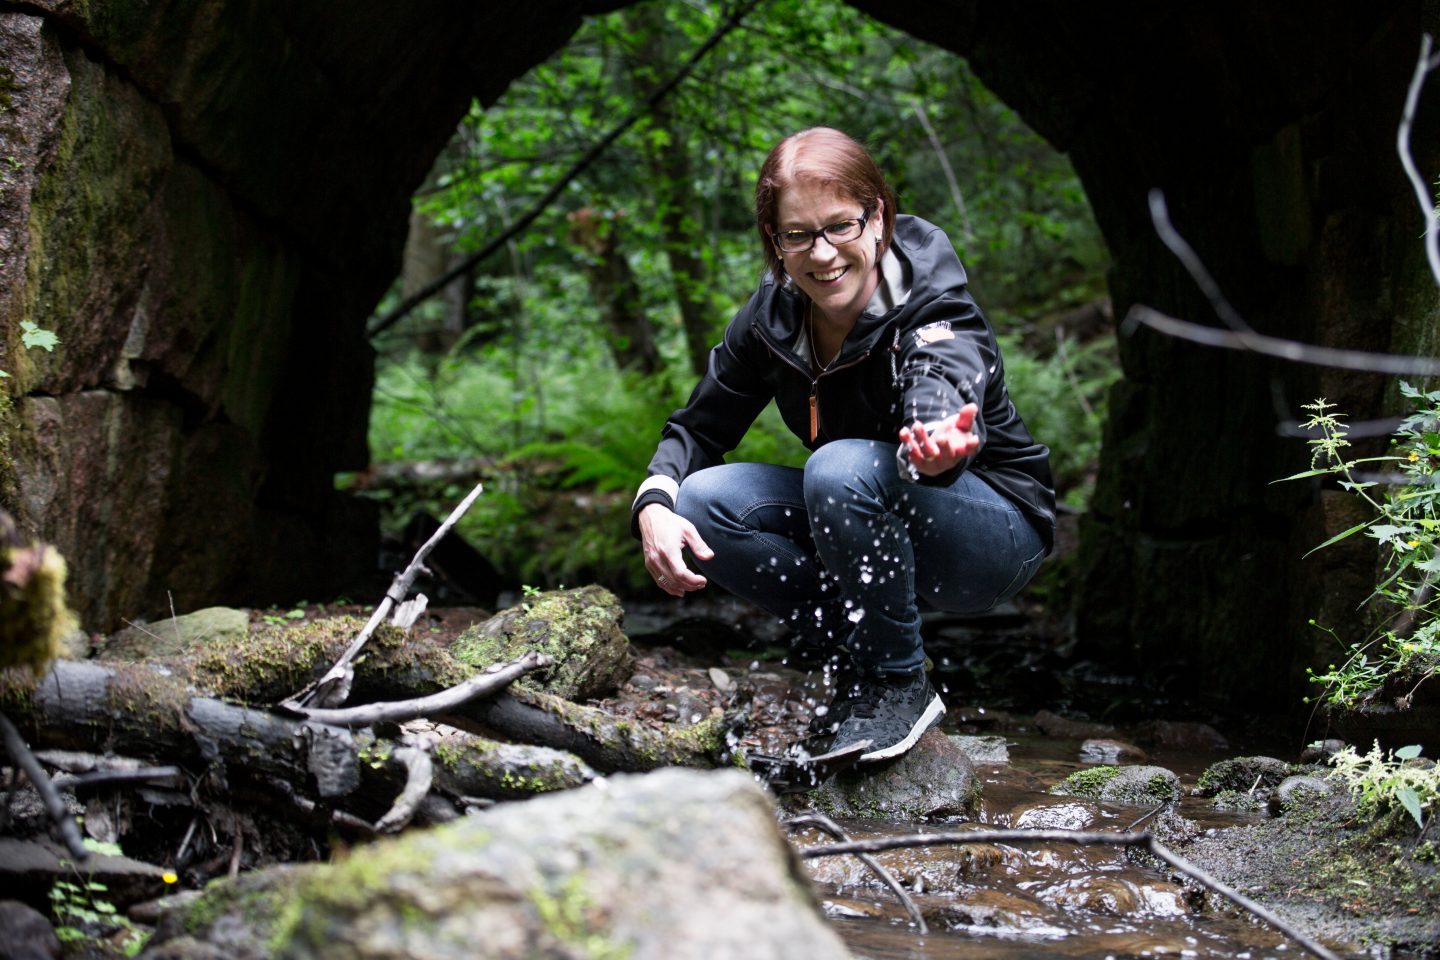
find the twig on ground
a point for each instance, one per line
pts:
(496, 677)
(168, 776)
(1079, 838)
(825, 824)
(54, 806)
(419, 776)
(238, 850)
(334, 688)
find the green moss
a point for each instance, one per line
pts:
(8, 86)
(1086, 783)
(9, 483)
(150, 700)
(567, 912)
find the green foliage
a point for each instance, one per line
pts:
(33, 337)
(526, 380)
(1405, 521)
(1381, 782)
(83, 914)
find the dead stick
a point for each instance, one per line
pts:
(495, 677)
(419, 775)
(337, 679)
(54, 806)
(824, 823)
(1079, 838)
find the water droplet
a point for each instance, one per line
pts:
(856, 615)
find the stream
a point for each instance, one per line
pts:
(1037, 900)
(983, 901)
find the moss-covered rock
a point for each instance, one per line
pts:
(176, 636)
(1245, 775)
(675, 863)
(1131, 786)
(578, 629)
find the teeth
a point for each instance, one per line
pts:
(831, 275)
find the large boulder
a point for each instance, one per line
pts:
(675, 864)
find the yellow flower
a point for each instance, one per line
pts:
(1414, 456)
(1414, 543)
(169, 876)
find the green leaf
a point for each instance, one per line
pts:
(1411, 802)
(1409, 753)
(33, 336)
(1339, 536)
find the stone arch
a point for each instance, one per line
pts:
(179, 175)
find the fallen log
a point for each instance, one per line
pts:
(609, 744)
(143, 710)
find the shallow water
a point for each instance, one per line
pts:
(1024, 901)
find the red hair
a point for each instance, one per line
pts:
(820, 155)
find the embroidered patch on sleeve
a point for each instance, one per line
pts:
(934, 333)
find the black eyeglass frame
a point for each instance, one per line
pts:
(864, 218)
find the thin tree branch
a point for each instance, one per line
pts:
(939, 148)
(419, 775)
(821, 822)
(580, 166)
(1190, 260)
(1079, 838)
(1423, 65)
(1382, 363)
(496, 677)
(334, 688)
(54, 806)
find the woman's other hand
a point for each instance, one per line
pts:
(943, 444)
(665, 534)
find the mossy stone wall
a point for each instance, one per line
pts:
(205, 199)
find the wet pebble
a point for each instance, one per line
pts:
(983, 749)
(1109, 750)
(1054, 725)
(1062, 814)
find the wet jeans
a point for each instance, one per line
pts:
(847, 553)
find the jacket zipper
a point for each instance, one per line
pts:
(814, 378)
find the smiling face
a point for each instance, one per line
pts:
(839, 279)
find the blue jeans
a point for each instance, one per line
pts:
(847, 552)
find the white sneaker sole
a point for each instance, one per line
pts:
(934, 710)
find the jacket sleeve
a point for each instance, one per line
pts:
(713, 421)
(946, 356)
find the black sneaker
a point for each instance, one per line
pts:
(889, 711)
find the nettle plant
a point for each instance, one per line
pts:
(1402, 489)
(1380, 782)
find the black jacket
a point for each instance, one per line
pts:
(922, 360)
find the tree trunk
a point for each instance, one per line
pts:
(668, 155)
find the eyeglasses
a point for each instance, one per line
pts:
(841, 231)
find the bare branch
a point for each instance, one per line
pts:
(1190, 260)
(334, 688)
(821, 822)
(581, 165)
(54, 806)
(939, 148)
(496, 677)
(1079, 838)
(420, 774)
(1383, 363)
(1423, 65)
